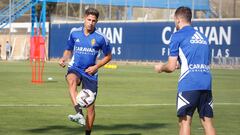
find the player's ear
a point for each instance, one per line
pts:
(178, 20)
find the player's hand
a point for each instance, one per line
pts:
(158, 68)
(62, 62)
(91, 70)
(178, 66)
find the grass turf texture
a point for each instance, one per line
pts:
(132, 100)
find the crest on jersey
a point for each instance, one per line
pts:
(93, 41)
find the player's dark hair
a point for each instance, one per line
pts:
(184, 12)
(92, 11)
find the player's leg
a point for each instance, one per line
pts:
(73, 81)
(185, 125)
(90, 118)
(207, 124)
(186, 105)
(93, 86)
(205, 110)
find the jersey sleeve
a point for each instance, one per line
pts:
(70, 42)
(106, 48)
(174, 46)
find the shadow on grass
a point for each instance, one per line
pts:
(75, 130)
(56, 128)
(143, 126)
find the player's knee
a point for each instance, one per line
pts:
(72, 81)
(207, 123)
(185, 121)
(91, 110)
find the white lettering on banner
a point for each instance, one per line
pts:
(165, 51)
(165, 30)
(220, 53)
(212, 37)
(215, 52)
(114, 35)
(116, 50)
(227, 36)
(216, 37)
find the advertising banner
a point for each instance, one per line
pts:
(148, 41)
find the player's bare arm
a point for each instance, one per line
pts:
(93, 69)
(169, 67)
(66, 55)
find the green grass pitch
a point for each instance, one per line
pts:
(132, 100)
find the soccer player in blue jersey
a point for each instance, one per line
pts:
(83, 46)
(191, 49)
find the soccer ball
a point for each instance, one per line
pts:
(85, 98)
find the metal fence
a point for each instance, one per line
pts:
(137, 10)
(143, 10)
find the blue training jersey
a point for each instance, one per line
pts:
(85, 49)
(193, 52)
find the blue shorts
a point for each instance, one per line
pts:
(86, 82)
(188, 101)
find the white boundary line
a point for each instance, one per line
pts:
(30, 105)
(107, 105)
(134, 105)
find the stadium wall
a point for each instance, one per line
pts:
(148, 41)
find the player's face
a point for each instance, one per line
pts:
(89, 22)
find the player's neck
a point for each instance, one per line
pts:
(184, 25)
(87, 32)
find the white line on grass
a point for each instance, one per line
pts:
(226, 103)
(106, 105)
(30, 105)
(134, 105)
(139, 105)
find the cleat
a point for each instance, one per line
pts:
(78, 118)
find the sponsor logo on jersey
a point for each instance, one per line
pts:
(84, 50)
(198, 39)
(199, 68)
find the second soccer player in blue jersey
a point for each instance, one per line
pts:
(191, 49)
